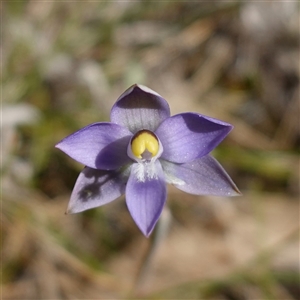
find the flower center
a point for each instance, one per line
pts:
(144, 144)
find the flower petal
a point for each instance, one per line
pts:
(188, 136)
(140, 108)
(204, 176)
(146, 195)
(98, 146)
(95, 188)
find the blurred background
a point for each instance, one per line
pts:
(65, 63)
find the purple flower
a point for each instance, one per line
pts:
(141, 150)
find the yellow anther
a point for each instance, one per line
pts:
(144, 141)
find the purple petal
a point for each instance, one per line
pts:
(146, 195)
(140, 108)
(204, 176)
(188, 136)
(95, 188)
(98, 146)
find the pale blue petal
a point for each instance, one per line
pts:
(140, 108)
(98, 146)
(188, 136)
(204, 176)
(146, 195)
(95, 188)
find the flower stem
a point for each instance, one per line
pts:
(158, 235)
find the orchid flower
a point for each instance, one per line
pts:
(141, 150)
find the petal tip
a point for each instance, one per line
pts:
(139, 87)
(60, 145)
(57, 145)
(146, 89)
(147, 235)
(69, 211)
(146, 232)
(237, 192)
